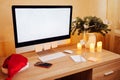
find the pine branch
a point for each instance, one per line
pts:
(90, 24)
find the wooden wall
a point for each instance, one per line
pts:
(81, 8)
(113, 15)
(6, 28)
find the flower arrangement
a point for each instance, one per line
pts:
(89, 24)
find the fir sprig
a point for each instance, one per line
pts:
(89, 24)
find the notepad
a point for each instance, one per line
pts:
(92, 59)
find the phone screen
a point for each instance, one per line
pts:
(43, 64)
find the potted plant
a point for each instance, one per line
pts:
(89, 24)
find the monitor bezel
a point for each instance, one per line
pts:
(33, 42)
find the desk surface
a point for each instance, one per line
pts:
(61, 67)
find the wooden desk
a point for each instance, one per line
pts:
(65, 66)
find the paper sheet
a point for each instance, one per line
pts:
(78, 58)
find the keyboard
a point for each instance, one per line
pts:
(52, 56)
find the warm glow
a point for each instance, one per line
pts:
(78, 52)
(92, 47)
(68, 41)
(99, 46)
(79, 46)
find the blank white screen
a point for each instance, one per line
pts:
(34, 24)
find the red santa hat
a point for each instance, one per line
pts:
(14, 63)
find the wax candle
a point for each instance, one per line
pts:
(99, 46)
(92, 47)
(79, 46)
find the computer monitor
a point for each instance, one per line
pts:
(34, 24)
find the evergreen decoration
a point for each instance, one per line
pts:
(89, 24)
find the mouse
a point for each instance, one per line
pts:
(68, 51)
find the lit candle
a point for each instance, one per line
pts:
(99, 46)
(92, 47)
(79, 46)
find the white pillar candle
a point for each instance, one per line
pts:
(92, 47)
(79, 46)
(99, 46)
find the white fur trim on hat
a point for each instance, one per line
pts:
(5, 70)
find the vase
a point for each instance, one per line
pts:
(84, 38)
(91, 39)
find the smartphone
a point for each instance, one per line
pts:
(43, 64)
